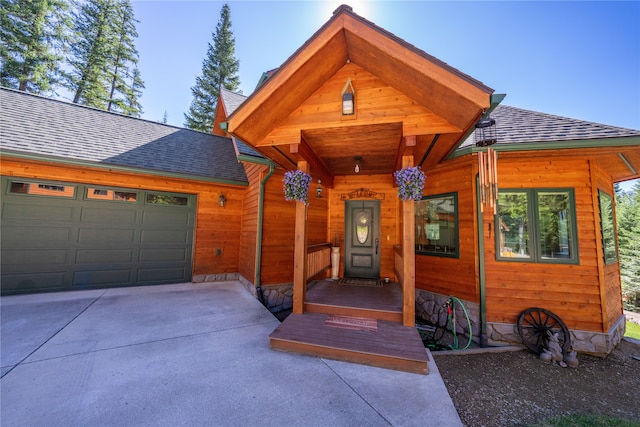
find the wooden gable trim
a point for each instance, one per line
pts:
(308, 68)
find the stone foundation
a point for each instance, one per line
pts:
(430, 307)
(278, 298)
(220, 277)
(587, 342)
(429, 304)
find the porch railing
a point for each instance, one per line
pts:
(318, 259)
(398, 265)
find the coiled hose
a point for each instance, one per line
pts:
(432, 335)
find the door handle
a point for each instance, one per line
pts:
(377, 244)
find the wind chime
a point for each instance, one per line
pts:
(485, 136)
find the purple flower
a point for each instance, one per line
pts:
(296, 186)
(410, 183)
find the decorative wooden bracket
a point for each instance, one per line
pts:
(362, 193)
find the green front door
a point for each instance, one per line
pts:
(362, 239)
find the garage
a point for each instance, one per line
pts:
(65, 236)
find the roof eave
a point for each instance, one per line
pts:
(118, 168)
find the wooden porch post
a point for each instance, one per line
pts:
(408, 256)
(300, 252)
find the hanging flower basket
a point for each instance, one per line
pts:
(296, 186)
(410, 183)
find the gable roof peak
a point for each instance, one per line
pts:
(343, 8)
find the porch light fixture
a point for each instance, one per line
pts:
(485, 133)
(319, 190)
(357, 168)
(348, 99)
(222, 200)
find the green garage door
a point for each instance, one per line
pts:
(62, 236)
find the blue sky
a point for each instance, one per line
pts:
(575, 59)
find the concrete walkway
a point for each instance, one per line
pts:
(191, 355)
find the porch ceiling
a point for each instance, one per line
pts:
(400, 92)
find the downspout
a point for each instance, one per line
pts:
(481, 273)
(258, 266)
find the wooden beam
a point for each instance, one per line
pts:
(408, 256)
(406, 148)
(300, 252)
(302, 151)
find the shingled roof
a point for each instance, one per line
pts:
(232, 101)
(57, 130)
(519, 126)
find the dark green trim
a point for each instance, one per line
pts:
(456, 237)
(627, 141)
(253, 159)
(112, 167)
(495, 100)
(533, 218)
(258, 267)
(484, 341)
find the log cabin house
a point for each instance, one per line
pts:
(94, 199)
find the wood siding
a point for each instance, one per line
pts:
(278, 233)
(216, 227)
(249, 227)
(572, 291)
(453, 276)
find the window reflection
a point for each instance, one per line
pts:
(436, 222)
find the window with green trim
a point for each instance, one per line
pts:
(536, 225)
(609, 242)
(436, 223)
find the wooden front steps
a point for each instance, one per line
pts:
(353, 324)
(329, 297)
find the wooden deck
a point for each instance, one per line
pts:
(352, 323)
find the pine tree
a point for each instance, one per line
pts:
(126, 83)
(219, 69)
(628, 221)
(34, 38)
(104, 59)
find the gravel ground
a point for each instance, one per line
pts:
(517, 389)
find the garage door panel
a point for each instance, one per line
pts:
(101, 235)
(57, 243)
(37, 257)
(102, 277)
(102, 215)
(158, 275)
(48, 281)
(35, 234)
(154, 255)
(165, 236)
(161, 216)
(36, 211)
(96, 256)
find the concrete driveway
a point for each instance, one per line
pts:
(191, 355)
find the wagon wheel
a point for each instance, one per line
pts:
(533, 324)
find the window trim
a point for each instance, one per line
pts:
(56, 193)
(456, 237)
(90, 187)
(533, 214)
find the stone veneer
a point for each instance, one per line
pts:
(430, 304)
(501, 334)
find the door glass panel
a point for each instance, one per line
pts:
(362, 226)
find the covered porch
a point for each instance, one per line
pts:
(353, 105)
